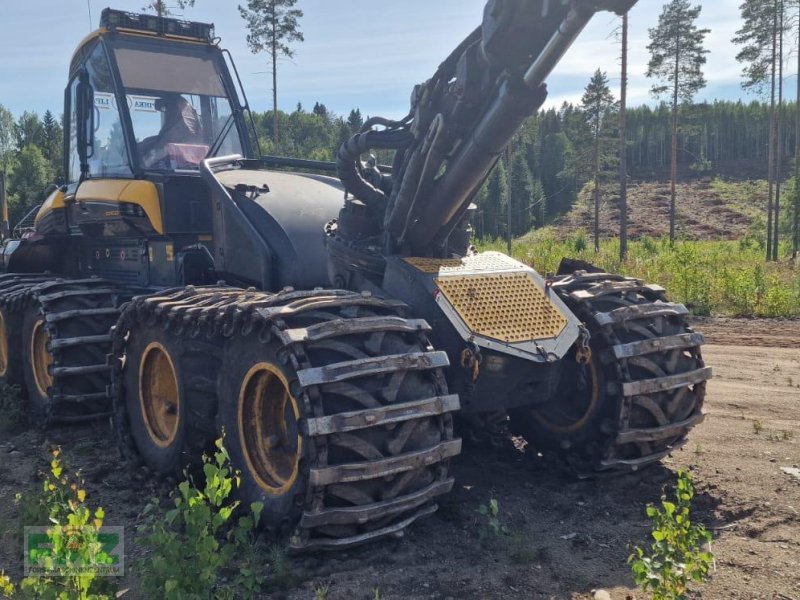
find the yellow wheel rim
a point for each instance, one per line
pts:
(158, 395)
(586, 412)
(41, 359)
(268, 429)
(3, 346)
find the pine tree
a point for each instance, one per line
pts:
(273, 26)
(760, 38)
(598, 105)
(796, 204)
(677, 56)
(623, 149)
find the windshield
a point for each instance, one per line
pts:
(177, 103)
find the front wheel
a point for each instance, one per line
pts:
(639, 393)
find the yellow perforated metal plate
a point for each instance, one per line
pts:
(486, 261)
(505, 306)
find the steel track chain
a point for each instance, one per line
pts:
(225, 312)
(59, 301)
(581, 290)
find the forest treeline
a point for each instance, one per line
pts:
(548, 167)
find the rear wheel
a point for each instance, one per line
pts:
(37, 361)
(15, 290)
(168, 385)
(11, 363)
(334, 407)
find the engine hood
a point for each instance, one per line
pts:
(289, 212)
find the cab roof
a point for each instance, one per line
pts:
(119, 21)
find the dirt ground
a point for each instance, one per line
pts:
(565, 538)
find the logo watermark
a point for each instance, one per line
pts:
(66, 551)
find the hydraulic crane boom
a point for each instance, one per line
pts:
(460, 121)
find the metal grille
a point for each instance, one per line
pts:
(506, 306)
(485, 261)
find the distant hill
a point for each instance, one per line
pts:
(707, 209)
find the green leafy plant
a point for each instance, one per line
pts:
(321, 592)
(491, 519)
(758, 426)
(73, 536)
(193, 544)
(6, 586)
(680, 551)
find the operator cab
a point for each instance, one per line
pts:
(161, 98)
(148, 99)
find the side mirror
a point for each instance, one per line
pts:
(86, 118)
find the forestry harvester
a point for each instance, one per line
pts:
(182, 284)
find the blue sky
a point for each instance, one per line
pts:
(363, 53)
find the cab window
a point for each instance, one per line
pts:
(110, 158)
(74, 167)
(178, 105)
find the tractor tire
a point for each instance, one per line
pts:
(639, 394)
(10, 356)
(14, 287)
(169, 386)
(164, 391)
(63, 344)
(37, 362)
(333, 407)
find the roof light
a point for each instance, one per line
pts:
(118, 19)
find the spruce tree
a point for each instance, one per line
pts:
(162, 10)
(53, 143)
(677, 56)
(355, 121)
(273, 26)
(521, 194)
(598, 105)
(492, 204)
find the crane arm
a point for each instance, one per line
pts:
(461, 119)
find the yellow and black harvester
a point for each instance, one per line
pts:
(181, 284)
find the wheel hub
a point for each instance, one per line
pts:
(576, 399)
(268, 428)
(41, 358)
(159, 395)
